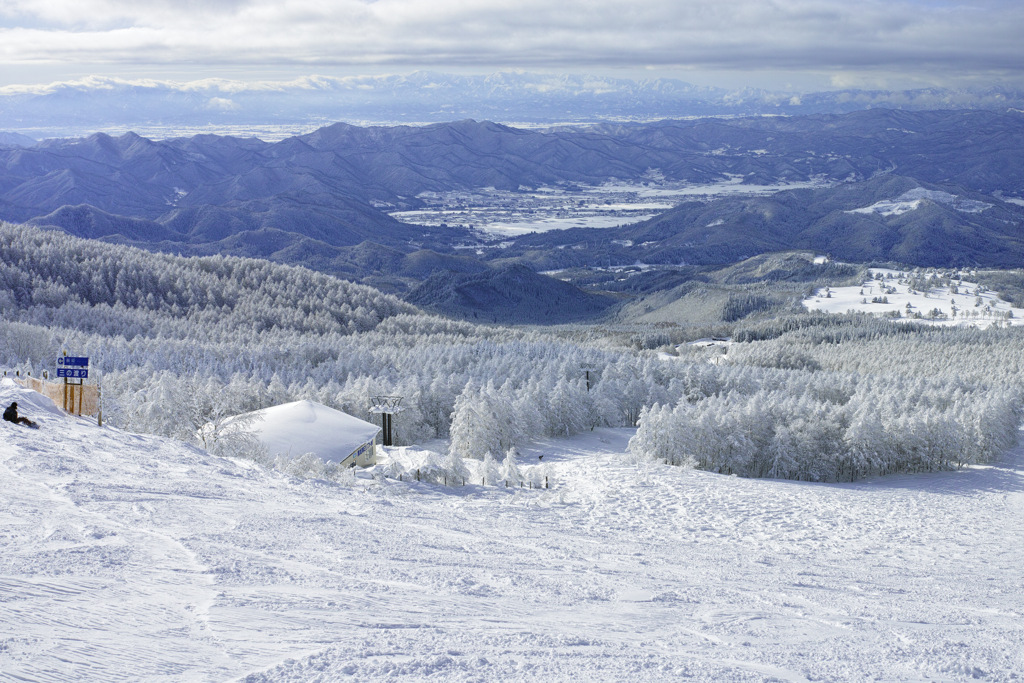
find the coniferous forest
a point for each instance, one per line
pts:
(180, 342)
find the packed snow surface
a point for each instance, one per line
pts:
(128, 557)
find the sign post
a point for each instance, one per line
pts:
(74, 370)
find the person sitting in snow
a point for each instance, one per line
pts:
(11, 415)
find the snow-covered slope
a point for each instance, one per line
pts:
(919, 297)
(912, 199)
(124, 557)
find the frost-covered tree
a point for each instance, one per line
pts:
(509, 471)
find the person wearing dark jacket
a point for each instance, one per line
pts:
(11, 415)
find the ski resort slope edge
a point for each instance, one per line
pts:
(127, 557)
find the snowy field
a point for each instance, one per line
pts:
(501, 213)
(129, 557)
(893, 294)
(912, 200)
(511, 225)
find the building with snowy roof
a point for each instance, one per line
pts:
(295, 429)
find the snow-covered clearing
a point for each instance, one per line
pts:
(129, 557)
(977, 307)
(912, 200)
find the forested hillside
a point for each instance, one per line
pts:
(50, 278)
(510, 294)
(180, 342)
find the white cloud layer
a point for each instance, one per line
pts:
(932, 40)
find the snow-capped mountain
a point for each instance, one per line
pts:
(164, 108)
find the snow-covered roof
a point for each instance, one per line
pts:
(294, 429)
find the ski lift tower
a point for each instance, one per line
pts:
(589, 371)
(386, 406)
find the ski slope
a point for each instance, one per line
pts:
(127, 557)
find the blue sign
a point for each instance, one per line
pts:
(72, 362)
(73, 373)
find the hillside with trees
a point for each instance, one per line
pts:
(180, 342)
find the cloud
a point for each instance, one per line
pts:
(934, 38)
(220, 104)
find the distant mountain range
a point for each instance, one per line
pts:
(161, 109)
(927, 188)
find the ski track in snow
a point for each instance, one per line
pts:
(129, 557)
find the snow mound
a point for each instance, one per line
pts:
(294, 429)
(912, 200)
(31, 404)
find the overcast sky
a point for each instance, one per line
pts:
(803, 44)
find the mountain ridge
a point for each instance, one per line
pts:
(314, 199)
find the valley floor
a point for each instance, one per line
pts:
(126, 557)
